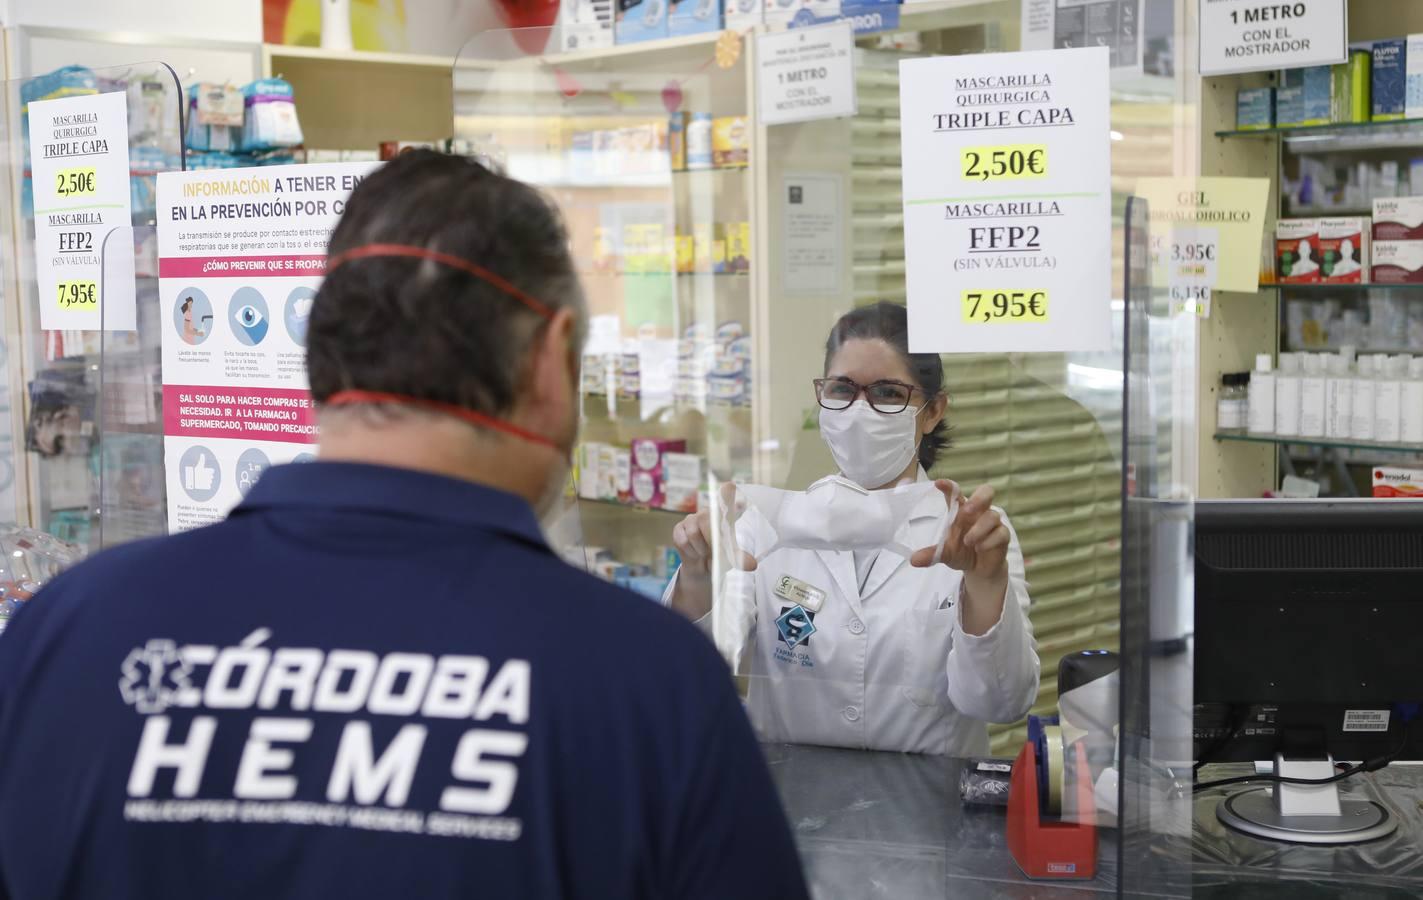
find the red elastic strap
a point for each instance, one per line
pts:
(353, 398)
(409, 251)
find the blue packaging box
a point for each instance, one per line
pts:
(1289, 106)
(694, 17)
(1255, 109)
(1389, 78)
(641, 20)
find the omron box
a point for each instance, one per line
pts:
(1395, 481)
(1343, 249)
(641, 20)
(1297, 251)
(1397, 262)
(1398, 219)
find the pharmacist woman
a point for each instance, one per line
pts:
(912, 655)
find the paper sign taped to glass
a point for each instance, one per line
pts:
(1233, 208)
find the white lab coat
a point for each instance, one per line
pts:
(887, 667)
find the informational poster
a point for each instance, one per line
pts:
(1114, 24)
(241, 254)
(1234, 210)
(80, 175)
(807, 74)
(1007, 201)
(811, 221)
(1035, 25)
(1256, 36)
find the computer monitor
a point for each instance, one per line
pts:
(1308, 619)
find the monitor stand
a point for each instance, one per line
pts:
(1305, 814)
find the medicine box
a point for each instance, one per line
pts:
(1255, 109)
(694, 17)
(1361, 61)
(586, 24)
(681, 481)
(1387, 81)
(1396, 481)
(1343, 249)
(589, 467)
(1314, 102)
(622, 474)
(641, 20)
(677, 141)
(1413, 78)
(731, 142)
(741, 15)
(1297, 251)
(699, 141)
(1398, 219)
(607, 472)
(1397, 262)
(1289, 106)
(647, 453)
(782, 13)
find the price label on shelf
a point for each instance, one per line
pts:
(80, 174)
(1193, 266)
(77, 294)
(1004, 306)
(1004, 163)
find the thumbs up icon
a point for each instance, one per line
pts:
(200, 475)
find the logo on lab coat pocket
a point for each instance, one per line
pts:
(795, 626)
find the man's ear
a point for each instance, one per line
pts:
(552, 353)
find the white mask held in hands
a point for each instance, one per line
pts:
(870, 447)
(838, 514)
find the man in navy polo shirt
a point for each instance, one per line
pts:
(375, 679)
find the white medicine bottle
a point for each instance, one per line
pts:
(1363, 428)
(1339, 396)
(1388, 392)
(1411, 404)
(1287, 395)
(1261, 413)
(1311, 396)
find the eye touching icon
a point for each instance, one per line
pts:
(248, 316)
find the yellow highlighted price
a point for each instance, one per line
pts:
(990, 307)
(77, 182)
(1005, 163)
(78, 294)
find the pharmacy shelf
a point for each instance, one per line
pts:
(1337, 444)
(1342, 135)
(1356, 286)
(616, 504)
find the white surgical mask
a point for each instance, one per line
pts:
(870, 447)
(837, 514)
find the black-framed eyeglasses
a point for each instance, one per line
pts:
(885, 396)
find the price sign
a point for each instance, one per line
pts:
(1193, 267)
(1004, 163)
(1004, 306)
(77, 294)
(76, 182)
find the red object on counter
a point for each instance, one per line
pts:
(1048, 849)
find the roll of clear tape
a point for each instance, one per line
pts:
(1055, 761)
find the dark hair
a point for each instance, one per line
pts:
(187, 304)
(889, 322)
(421, 329)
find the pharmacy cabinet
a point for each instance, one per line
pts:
(1351, 177)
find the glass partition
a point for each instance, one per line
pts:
(105, 160)
(707, 474)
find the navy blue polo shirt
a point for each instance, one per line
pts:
(371, 682)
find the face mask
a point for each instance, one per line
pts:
(870, 447)
(837, 514)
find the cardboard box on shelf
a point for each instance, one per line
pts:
(1397, 262)
(731, 142)
(641, 20)
(586, 24)
(1398, 219)
(1413, 78)
(694, 17)
(1297, 251)
(1396, 481)
(1344, 249)
(1388, 78)
(741, 15)
(682, 476)
(1255, 109)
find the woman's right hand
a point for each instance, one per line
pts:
(693, 538)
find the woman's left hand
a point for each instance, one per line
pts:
(977, 546)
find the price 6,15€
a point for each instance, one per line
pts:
(77, 293)
(1004, 306)
(1004, 163)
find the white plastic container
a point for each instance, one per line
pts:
(1261, 416)
(1338, 397)
(1287, 386)
(1388, 407)
(1411, 404)
(1311, 396)
(1363, 427)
